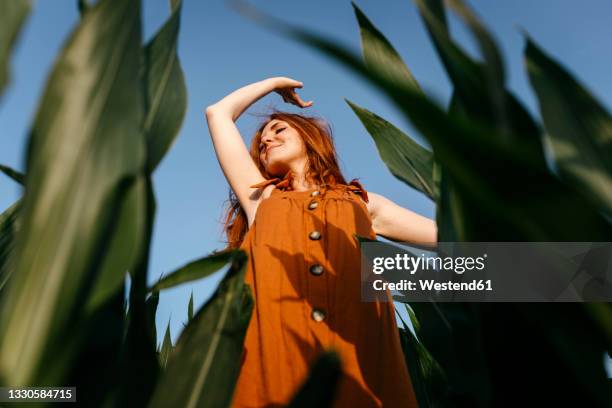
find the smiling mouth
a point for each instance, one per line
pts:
(270, 148)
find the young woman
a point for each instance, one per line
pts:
(294, 214)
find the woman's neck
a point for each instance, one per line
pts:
(299, 182)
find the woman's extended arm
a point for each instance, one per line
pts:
(400, 224)
(236, 162)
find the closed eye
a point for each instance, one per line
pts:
(261, 146)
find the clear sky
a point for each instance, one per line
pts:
(221, 51)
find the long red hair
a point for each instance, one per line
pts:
(323, 168)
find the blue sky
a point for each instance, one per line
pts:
(221, 51)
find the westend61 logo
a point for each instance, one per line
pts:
(412, 264)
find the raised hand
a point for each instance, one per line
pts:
(285, 87)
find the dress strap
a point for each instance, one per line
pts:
(356, 187)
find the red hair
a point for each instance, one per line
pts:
(322, 167)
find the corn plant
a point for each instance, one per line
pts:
(488, 175)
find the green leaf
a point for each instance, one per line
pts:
(319, 389)
(165, 89)
(378, 51)
(194, 270)
(9, 226)
(151, 310)
(190, 308)
(139, 362)
(125, 246)
(84, 152)
(205, 363)
(426, 375)
(13, 174)
(406, 159)
(13, 14)
(166, 347)
(479, 88)
(579, 128)
(83, 6)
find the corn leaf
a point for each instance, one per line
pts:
(194, 270)
(190, 308)
(165, 89)
(426, 375)
(204, 366)
(9, 225)
(578, 127)
(84, 152)
(165, 104)
(13, 14)
(13, 174)
(166, 347)
(378, 51)
(479, 87)
(319, 389)
(406, 159)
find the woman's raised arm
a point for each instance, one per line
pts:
(238, 167)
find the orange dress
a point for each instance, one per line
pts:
(304, 272)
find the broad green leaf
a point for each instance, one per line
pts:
(319, 389)
(139, 362)
(194, 270)
(13, 174)
(166, 347)
(13, 14)
(204, 366)
(9, 226)
(479, 87)
(165, 89)
(123, 250)
(84, 152)
(165, 106)
(190, 308)
(426, 375)
(378, 51)
(406, 159)
(579, 128)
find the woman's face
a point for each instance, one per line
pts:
(281, 148)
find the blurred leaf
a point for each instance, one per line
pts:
(139, 361)
(407, 160)
(13, 174)
(205, 363)
(479, 87)
(190, 308)
(426, 375)
(83, 6)
(9, 226)
(90, 116)
(151, 310)
(165, 89)
(124, 247)
(378, 51)
(319, 389)
(194, 270)
(579, 129)
(166, 347)
(12, 16)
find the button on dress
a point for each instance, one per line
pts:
(304, 272)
